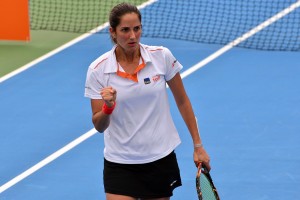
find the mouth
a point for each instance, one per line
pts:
(131, 43)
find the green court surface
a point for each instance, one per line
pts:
(15, 54)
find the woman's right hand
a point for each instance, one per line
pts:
(109, 96)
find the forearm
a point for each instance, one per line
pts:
(103, 108)
(101, 114)
(185, 107)
(101, 121)
(186, 111)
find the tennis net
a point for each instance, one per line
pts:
(205, 21)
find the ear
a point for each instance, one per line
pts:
(112, 32)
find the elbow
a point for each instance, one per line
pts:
(183, 102)
(100, 130)
(100, 120)
(99, 127)
(100, 124)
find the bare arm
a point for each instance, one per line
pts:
(100, 119)
(187, 113)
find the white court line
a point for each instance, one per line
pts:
(44, 57)
(183, 75)
(61, 48)
(79, 139)
(242, 38)
(47, 160)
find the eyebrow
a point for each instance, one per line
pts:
(129, 26)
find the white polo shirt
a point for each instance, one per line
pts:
(141, 128)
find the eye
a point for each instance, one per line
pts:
(125, 29)
(137, 28)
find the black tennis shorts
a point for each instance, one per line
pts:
(156, 179)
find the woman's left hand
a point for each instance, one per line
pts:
(200, 156)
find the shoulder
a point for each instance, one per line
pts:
(152, 48)
(100, 62)
(156, 51)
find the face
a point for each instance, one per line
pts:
(128, 32)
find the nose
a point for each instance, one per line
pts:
(132, 35)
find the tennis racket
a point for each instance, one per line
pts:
(204, 185)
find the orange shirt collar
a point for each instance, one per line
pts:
(133, 76)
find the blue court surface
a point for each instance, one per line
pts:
(247, 103)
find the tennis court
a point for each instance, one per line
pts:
(247, 102)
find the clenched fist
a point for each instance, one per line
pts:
(109, 96)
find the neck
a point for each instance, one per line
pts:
(126, 56)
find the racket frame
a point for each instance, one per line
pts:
(204, 170)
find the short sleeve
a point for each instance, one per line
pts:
(93, 84)
(172, 65)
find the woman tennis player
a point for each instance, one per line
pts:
(129, 101)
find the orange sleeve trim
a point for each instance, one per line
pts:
(100, 63)
(155, 49)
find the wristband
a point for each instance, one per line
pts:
(108, 110)
(198, 145)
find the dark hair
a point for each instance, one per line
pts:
(118, 11)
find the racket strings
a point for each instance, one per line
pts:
(207, 190)
(204, 186)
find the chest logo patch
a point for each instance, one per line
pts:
(156, 78)
(147, 80)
